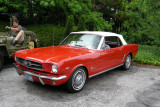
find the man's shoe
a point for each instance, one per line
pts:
(14, 42)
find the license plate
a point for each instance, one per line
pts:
(29, 77)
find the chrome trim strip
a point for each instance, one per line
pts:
(105, 71)
(38, 75)
(45, 77)
(124, 56)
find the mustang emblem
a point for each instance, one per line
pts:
(27, 63)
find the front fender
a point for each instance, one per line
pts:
(70, 69)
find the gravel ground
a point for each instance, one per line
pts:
(137, 87)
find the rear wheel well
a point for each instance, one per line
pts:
(130, 54)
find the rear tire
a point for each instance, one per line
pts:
(77, 80)
(1, 61)
(127, 62)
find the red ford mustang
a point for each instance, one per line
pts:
(78, 57)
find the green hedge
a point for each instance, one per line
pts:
(48, 34)
(148, 55)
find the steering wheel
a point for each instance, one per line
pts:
(8, 32)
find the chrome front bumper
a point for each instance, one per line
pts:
(19, 70)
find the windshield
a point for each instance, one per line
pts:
(82, 40)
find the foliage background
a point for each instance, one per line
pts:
(137, 20)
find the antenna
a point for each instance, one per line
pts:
(53, 35)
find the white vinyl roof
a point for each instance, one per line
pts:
(101, 33)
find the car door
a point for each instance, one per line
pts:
(112, 57)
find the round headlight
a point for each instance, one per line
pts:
(54, 68)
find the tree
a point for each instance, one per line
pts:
(82, 23)
(69, 25)
(141, 23)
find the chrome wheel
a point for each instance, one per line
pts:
(78, 79)
(127, 62)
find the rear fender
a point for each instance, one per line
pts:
(131, 49)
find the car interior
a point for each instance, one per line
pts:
(113, 41)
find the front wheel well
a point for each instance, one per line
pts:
(85, 69)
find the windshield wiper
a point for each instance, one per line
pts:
(80, 46)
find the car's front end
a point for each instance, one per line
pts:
(44, 73)
(49, 65)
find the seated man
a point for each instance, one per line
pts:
(16, 29)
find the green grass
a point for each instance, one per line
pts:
(148, 55)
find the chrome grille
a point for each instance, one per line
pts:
(30, 64)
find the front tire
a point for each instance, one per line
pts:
(77, 80)
(127, 62)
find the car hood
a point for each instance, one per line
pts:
(52, 54)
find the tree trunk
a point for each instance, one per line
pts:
(30, 12)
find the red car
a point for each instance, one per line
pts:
(79, 56)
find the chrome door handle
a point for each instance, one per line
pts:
(120, 49)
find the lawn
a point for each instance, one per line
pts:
(148, 55)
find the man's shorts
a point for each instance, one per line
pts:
(20, 41)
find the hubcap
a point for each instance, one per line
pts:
(79, 79)
(128, 61)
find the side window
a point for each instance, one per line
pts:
(119, 42)
(113, 41)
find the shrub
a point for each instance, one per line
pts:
(148, 55)
(48, 34)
